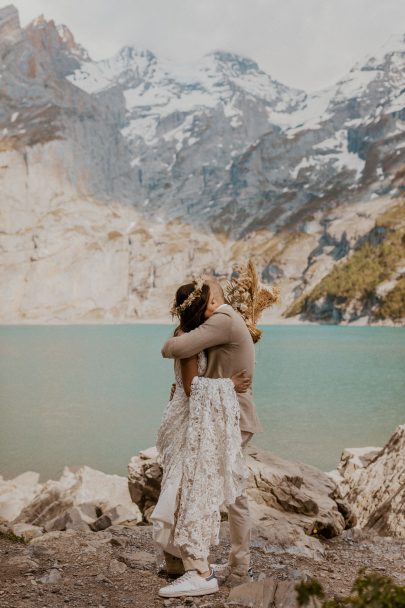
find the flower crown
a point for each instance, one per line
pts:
(177, 310)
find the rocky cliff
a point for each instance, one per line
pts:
(372, 481)
(119, 176)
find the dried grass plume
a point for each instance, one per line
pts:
(246, 295)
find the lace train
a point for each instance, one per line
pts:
(199, 444)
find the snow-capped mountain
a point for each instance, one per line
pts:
(132, 170)
(178, 117)
(220, 143)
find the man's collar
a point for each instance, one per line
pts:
(221, 306)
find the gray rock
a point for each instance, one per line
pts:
(52, 577)
(101, 523)
(267, 593)
(259, 594)
(26, 531)
(372, 481)
(144, 479)
(137, 559)
(116, 567)
(23, 563)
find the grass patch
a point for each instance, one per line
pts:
(13, 537)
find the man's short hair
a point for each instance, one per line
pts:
(216, 289)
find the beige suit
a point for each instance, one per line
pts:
(230, 349)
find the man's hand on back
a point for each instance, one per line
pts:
(242, 381)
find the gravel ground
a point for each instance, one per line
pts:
(116, 568)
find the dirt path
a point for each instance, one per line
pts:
(116, 568)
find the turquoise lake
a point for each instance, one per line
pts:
(94, 394)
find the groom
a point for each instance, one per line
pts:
(230, 348)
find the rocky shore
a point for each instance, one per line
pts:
(85, 539)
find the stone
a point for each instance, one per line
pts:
(17, 493)
(52, 577)
(372, 480)
(26, 531)
(144, 479)
(23, 563)
(123, 514)
(75, 520)
(116, 568)
(291, 504)
(77, 499)
(259, 594)
(136, 559)
(267, 593)
(149, 454)
(101, 523)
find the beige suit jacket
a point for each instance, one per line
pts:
(230, 348)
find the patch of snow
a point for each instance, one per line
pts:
(396, 104)
(14, 116)
(141, 127)
(305, 162)
(336, 149)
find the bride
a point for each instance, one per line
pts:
(199, 445)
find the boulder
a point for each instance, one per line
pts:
(51, 578)
(79, 498)
(26, 531)
(372, 481)
(266, 593)
(17, 493)
(291, 504)
(144, 479)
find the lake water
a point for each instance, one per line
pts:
(94, 394)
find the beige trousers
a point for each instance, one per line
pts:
(239, 530)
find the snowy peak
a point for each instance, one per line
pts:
(215, 78)
(395, 45)
(131, 54)
(70, 43)
(235, 64)
(128, 68)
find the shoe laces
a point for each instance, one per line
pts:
(184, 577)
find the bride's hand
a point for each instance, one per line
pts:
(241, 381)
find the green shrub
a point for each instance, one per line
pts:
(13, 537)
(370, 590)
(393, 303)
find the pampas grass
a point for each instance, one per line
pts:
(246, 295)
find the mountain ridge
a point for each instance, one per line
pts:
(234, 163)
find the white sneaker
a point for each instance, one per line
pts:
(191, 583)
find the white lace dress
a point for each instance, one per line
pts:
(199, 445)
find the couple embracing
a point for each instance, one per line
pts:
(202, 439)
